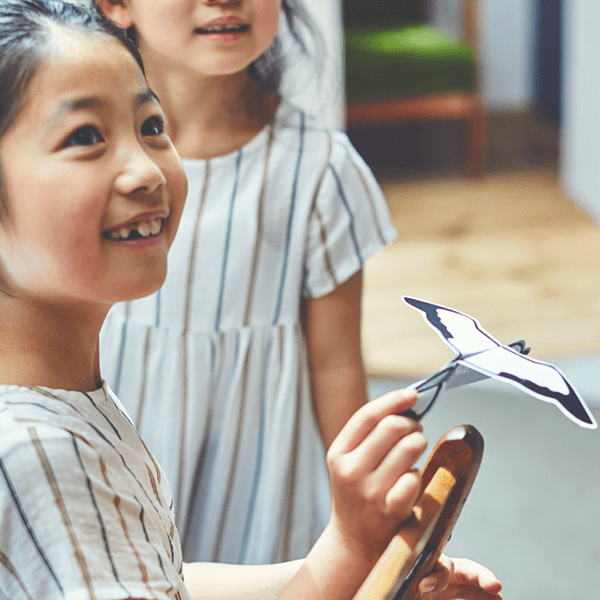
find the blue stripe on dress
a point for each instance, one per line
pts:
(259, 456)
(347, 206)
(157, 322)
(99, 515)
(227, 240)
(30, 531)
(290, 219)
(121, 356)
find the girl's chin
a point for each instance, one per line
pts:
(140, 289)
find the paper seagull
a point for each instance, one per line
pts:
(480, 356)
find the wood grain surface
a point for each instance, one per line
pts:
(510, 250)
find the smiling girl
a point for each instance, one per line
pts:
(91, 192)
(243, 368)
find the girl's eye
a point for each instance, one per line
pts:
(84, 136)
(153, 126)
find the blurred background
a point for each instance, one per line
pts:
(479, 120)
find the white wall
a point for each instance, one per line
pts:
(506, 35)
(580, 144)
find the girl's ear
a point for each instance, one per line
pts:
(117, 11)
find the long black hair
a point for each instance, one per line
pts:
(26, 33)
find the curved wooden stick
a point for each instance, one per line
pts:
(414, 551)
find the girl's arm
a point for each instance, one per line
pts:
(337, 374)
(213, 581)
(374, 486)
(373, 489)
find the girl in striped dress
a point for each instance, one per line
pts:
(91, 194)
(242, 369)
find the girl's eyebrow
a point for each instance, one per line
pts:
(146, 95)
(66, 106)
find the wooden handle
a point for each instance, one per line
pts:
(414, 551)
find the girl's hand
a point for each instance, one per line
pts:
(374, 485)
(460, 578)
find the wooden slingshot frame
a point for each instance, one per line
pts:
(447, 478)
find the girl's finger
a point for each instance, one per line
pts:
(460, 592)
(363, 421)
(384, 439)
(471, 573)
(402, 496)
(440, 578)
(400, 457)
(468, 581)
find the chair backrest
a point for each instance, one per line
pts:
(366, 14)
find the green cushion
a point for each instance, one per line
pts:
(406, 61)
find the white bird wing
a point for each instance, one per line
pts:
(537, 378)
(461, 332)
(480, 352)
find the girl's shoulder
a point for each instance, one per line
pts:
(294, 127)
(290, 117)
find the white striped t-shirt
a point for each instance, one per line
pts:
(213, 367)
(85, 509)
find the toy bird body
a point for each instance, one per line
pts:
(480, 356)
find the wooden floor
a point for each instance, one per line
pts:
(511, 250)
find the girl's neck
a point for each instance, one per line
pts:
(49, 345)
(210, 116)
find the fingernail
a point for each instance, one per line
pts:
(427, 587)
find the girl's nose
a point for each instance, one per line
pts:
(139, 173)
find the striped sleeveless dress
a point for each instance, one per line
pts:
(212, 367)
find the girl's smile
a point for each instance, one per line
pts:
(205, 37)
(147, 226)
(89, 119)
(224, 29)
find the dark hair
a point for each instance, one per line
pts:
(25, 36)
(268, 68)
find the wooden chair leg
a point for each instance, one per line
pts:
(476, 139)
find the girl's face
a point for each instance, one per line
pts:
(93, 186)
(209, 37)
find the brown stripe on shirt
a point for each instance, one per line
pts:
(322, 229)
(234, 462)
(49, 395)
(117, 504)
(11, 569)
(60, 504)
(292, 473)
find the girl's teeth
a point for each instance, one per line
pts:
(155, 226)
(144, 229)
(219, 28)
